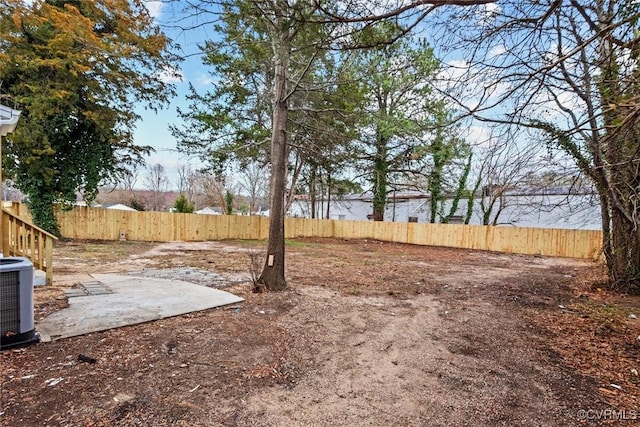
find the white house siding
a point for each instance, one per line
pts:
(581, 212)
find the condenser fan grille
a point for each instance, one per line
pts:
(9, 302)
(17, 326)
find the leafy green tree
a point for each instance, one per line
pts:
(399, 115)
(182, 205)
(77, 69)
(230, 122)
(273, 102)
(449, 168)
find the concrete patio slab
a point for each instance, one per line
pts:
(131, 300)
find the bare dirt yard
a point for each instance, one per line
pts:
(368, 333)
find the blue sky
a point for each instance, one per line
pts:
(153, 128)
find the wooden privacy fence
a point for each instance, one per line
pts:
(106, 224)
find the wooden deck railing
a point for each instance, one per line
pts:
(20, 238)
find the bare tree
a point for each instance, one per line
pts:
(185, 178)
(158, 183)
(505, 169)
(211, 189)
(568, 69)
(129, 179)
(254, 180)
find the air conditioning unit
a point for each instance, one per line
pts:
(16, 303)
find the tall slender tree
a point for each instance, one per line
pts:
(450, 163)
(401, 114)
(267, 54)
(288, 26)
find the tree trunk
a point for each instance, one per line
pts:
(272, 276)
(321, 202)
(379, 198)
(622, 250)
(328, 216)
(462, 185)
(472, 198)
(606, 227)
(41, 205)
(435, 188)
(615, 173)
(297, 168)
(486, 205)
(313, 192)
(624, 263)
(380, 179)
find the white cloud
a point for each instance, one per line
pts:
(492, 8)
(471, 87)
(549, 106)
(454, 70)
(488, 12)
(497, 51)
(477, 135)
(154, 7)
(202, 80)
(172, 75)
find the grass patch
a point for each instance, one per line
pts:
(252, 243)
(601, 312)
(292, 243)
(111, 249)
(608, 319)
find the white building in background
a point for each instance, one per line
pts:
(209, 211)
(520, 210)
(118, 207)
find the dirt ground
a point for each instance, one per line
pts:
(368, 333)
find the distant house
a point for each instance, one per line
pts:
(550, 210)
(119, 206)
(209, 211)
(84, 204)
(263, 211)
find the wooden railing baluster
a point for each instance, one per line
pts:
(19, 238)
